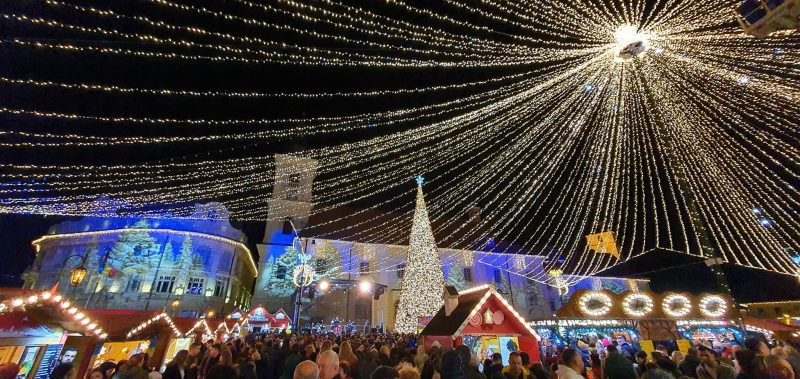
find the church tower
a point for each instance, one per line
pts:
(289, 206)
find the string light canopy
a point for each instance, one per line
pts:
(648, 119)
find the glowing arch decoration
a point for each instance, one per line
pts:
(302, 275)
(637, 304)
(713, 306)
(676, 305)
(595, 304)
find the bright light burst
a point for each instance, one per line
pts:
(657, 120)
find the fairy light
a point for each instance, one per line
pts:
(637, 304)
(713, 306)
(239, 245)
(161, 317)
(423, 283)
(676, 305)
(55, 301)
(595, 304)
(670, 129)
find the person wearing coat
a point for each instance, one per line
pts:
(176, 369)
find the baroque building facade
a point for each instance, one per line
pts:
(337, 256)
(148, 263)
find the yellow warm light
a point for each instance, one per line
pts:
(77, 274)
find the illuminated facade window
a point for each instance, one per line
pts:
(363, 268)
(401, 270)
(165, 284)
(220, 287)
(195, 286)
(134, 283)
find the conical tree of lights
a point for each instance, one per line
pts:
(423, 282)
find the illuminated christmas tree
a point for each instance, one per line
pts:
(423, 282)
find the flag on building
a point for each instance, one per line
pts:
(603, 243)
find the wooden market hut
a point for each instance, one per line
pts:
(478, 312)
(39, 329)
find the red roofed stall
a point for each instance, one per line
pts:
(484, 321)
(41, 329)
(134, 331)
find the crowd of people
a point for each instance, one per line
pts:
(387, 356)
(754, 360)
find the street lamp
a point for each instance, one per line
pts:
(324, 285)
(364, 286)
(77, 274)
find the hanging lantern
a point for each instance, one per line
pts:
(77, 274)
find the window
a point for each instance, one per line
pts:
(498, 276)
(552, 305)
(195, 286)
(321, 266)
(165, 284)
(467, 271)
(401, 270)
(293, 186)
(287, 226)
(280, 273)
(134, 283)
(363, 268)
(220, 287)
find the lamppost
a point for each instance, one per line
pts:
(175, 304)
(77, 274)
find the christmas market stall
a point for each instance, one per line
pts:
(770, 329)
(201, 331)
(484, 321)
(40, 330)
(132, 332)
(641, 319)
(259, 320)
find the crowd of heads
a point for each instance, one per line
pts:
(752, 360)
(394, 356)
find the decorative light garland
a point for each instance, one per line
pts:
(637, 304)
(57, 301)
(676, 305)
(713, 306)
(603, 155)
(239, 245)
(159, 317)
(595, 304)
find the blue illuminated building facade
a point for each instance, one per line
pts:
(148, 263)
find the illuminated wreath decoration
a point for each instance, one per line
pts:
(637, 304)
(713, 306)
(302, 275)
(676, 305)
(595, 304)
